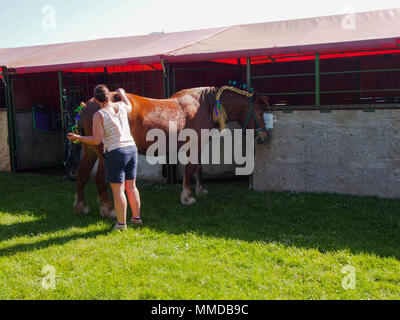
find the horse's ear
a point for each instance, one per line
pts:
(264, 100)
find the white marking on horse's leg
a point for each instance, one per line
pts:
(107, 211)
(80, 208)
(186, 195)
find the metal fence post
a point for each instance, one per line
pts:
(170, 170)
(11, 121)
(61, 88)
(317, 80)
(248, 83)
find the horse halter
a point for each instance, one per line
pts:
(219, 113)
(251, 114)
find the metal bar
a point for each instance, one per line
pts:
(60, 88)
(357, 51)
(248, 83)
(284, 75)
(206, 69)
(317, 80)
(272, 59)
(12, 125)
(105, 76)
(295, 55)
(248, 73)
(338, 107)
(287, 93)
(174, 80)
(170, 172)
(360, 71)
(356, 91)
(153, 67)
(326, 92)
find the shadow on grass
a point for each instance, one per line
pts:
(24, 247)
(44, 225)
(44, 207)
(321, 221)
(326, 222)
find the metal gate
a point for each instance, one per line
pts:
(327, 81)
(29, 146)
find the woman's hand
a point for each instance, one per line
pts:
(125, 100)
(73, 137)
(121, 92)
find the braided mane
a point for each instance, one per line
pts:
(211, 96)
(219, 114)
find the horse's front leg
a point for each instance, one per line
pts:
(82, 176)
(200, 190)
(106, 206)
(186, 195)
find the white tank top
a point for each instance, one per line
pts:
(117, 133)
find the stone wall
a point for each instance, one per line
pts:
(345, 152)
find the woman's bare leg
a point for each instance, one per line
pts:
(133, 196)
(120, 202)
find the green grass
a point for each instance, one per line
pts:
(232, 244)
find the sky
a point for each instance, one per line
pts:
(37, 22)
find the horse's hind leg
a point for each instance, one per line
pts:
(82, 177)
(200, 190)
(106, 207)
(186, 195)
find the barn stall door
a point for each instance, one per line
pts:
(36, 110)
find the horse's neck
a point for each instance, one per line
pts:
(233, 104)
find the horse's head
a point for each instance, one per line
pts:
(115, 96)
(246, 108)
(252, 116)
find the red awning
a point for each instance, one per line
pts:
(100, 53)
(360, 31)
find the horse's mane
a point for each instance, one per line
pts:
(207, 95)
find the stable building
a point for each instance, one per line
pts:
(333, 83)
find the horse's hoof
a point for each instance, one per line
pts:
(188, 201)
(108, 213)
(201, 191)
(81, 210)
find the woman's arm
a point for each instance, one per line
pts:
(125, 100)
(97, 132)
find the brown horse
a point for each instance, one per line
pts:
(190, 108)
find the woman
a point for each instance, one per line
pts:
(111, 126)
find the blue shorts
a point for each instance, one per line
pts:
(121, 164)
